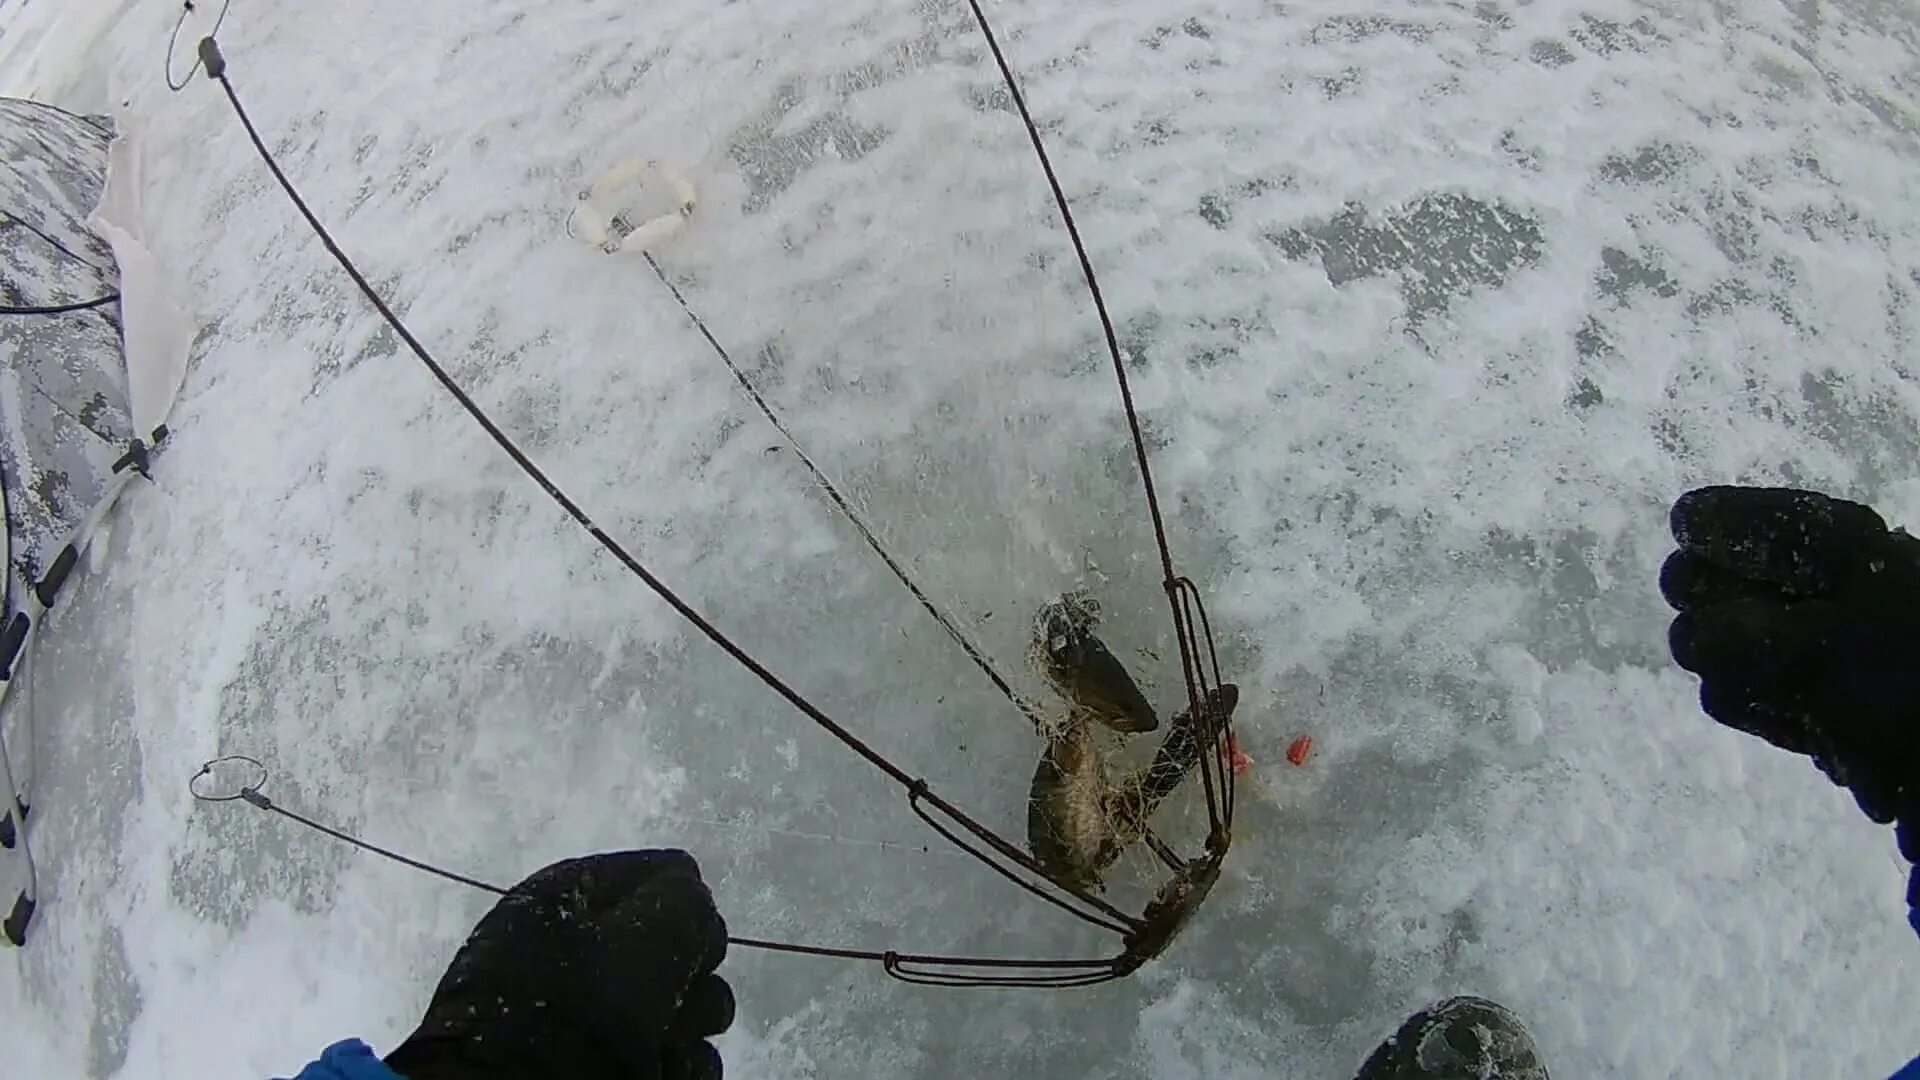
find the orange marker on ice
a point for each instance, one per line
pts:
(1236, 758)
(1297, 752)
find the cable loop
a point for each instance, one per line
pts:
(201, 783)
(174, 40)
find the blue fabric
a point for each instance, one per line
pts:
(349, 1059)
(1913, 900)
(1912, 1071)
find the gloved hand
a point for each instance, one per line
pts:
(1801, 615)
(594, 967)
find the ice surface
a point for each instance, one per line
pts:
(46, 50)
(1432, 308)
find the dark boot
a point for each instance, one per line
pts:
(1462, 1038)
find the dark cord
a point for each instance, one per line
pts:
(1190, 658)
(187, 9)
(973, 651)
(933, 970)
(925, 968)
(15, 221)
(61, 309)
(918, 790)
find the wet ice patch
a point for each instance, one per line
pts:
(1437, 249)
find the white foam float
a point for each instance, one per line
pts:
(609, 214)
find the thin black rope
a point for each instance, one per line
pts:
(1189, 649)
(534, 472)
(62, 309)
(21, 576)
(955, 971)
(1159, 848)
(1101, 972)
(921, 798)
(1093, 284)
(185, 10)
(932, 969)
(18, 581)
(917, 789)
(255, 798)
(16, 221)
(973, 651)
(904, 966)
(1109, 918)
(1219, 728)
(1194, 673)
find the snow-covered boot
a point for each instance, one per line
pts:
(1461, 1038)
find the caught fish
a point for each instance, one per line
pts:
(1081, 666)
(1068, 830)
(1079, 820)
(1133, 802)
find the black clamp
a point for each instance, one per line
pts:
(137, 458)
(211, 60)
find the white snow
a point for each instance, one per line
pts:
(157, 331)
(1435, 308)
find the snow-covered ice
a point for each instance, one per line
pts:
(1432, 307)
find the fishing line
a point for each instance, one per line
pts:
(1182, 597)
(1078, 901)
(752, 828)
(61, 309)
(1144, 936)
(208, 786)
(973, 651)
(15, 222)
(1200, 671)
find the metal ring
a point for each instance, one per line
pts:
(206, 771)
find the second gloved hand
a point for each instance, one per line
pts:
(594, 967)
(1801, 615)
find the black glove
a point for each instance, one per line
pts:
(601, 966)
(1801, 615)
